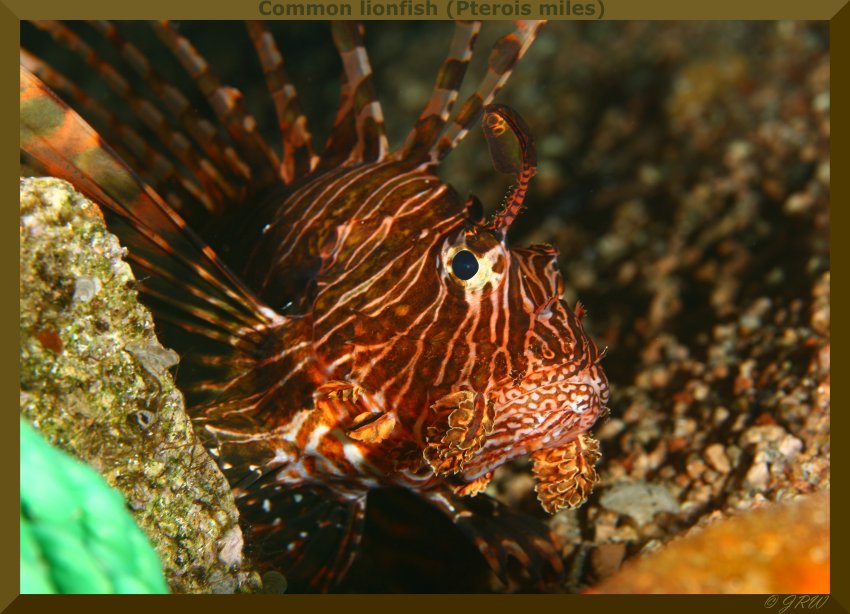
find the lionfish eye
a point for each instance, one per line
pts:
(464, 264)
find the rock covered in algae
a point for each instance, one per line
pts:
(95, 382)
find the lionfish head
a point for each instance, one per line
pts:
(528, 379)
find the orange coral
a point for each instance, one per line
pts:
(783, 549)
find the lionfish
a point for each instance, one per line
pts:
(348, 322)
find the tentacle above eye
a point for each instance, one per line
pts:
(513, 152)
(507, 51)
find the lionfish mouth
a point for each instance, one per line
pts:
(546, 420)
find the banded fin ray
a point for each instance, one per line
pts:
(359, 106)
(199, 172)
(343, 132)
(299, 158)
(222, 163)
(450, 76)
(308, 532)
(502, 534)
(228, 105)
(157, 238)
(153, 167)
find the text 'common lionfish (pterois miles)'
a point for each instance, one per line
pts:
(346, 321)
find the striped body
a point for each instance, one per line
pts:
(375, 332)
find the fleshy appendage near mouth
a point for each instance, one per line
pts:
(472, 435)
(565, 475)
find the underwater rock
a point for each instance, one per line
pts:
(640, 500)
(94, 382)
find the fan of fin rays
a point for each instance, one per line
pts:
(222, 165)
(214, 163)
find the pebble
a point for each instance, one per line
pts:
(566, 528)
(611, 246)
(610, 429)
(640, 500)
(700, 391)
(762, 434)
(274, 582)
(605, 559)
(685, 427)
(153, 357)
(775, 276)
(799, 202)
(695, 467)
(519, 488)
(823, 172)
(649, 174)
(758, 476)
(605, 526)
(221, 584)
(715, 456)
(230, 547)
(790, 446)
(737, 152)
(85, 288)
(720, 415)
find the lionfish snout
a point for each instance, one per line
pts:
(549, 408)
(546, 415)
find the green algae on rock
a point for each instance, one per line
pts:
(94, 382)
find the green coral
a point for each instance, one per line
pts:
(76, 534)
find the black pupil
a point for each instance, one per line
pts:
(464, 265)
